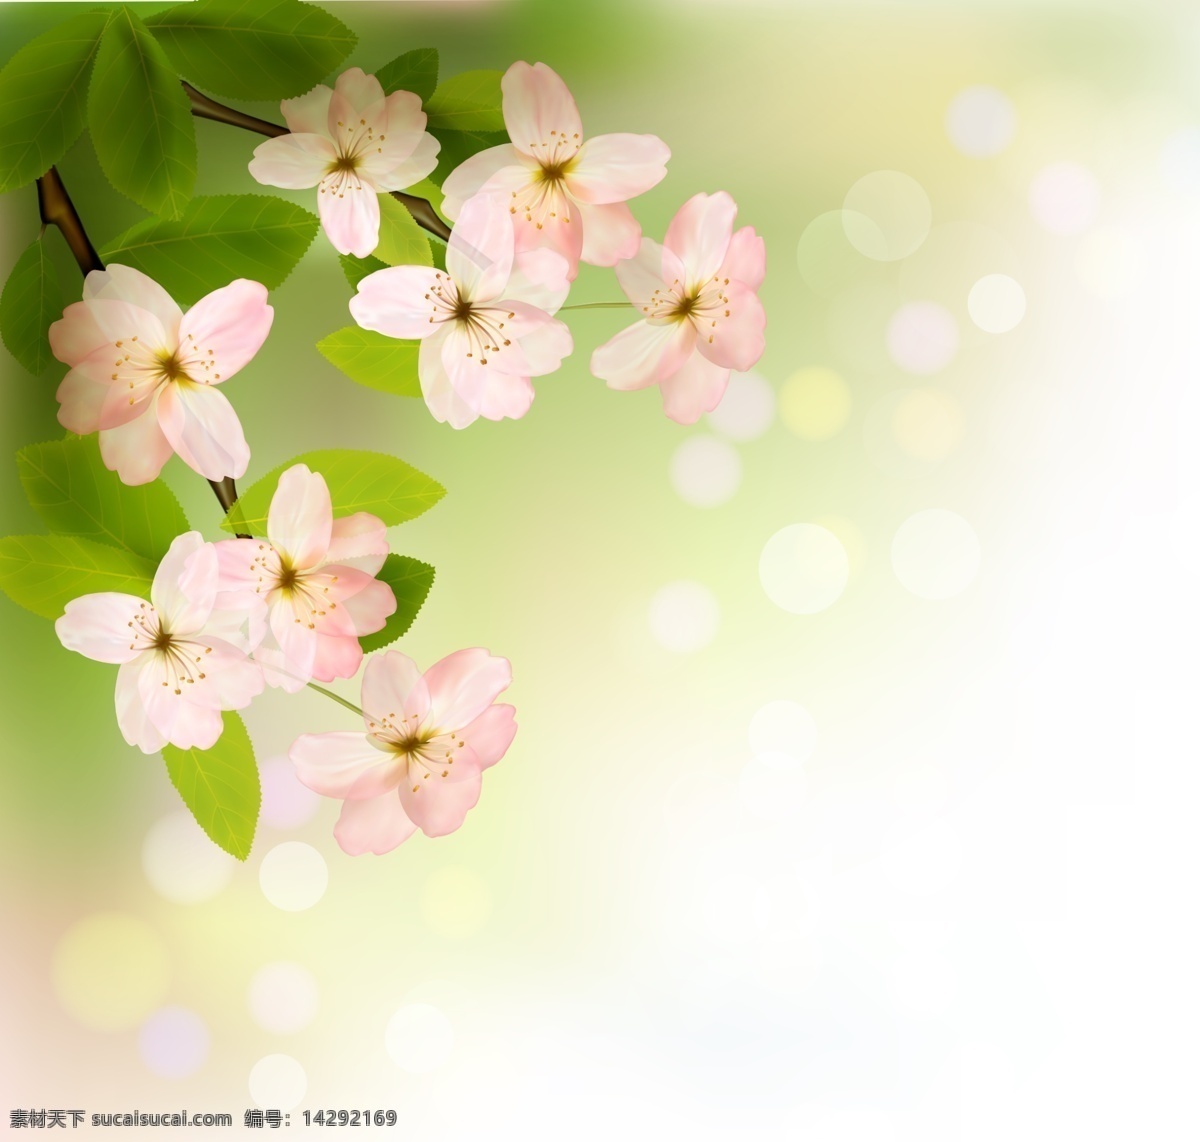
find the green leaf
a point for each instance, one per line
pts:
(220, 786)
(75, 494)
(356, 269)
(458, 146)
(467, 102)
(410, 581)
(358, 482)
(219, 238)
(414, 71)
(374, 360)
(43, 92)
(43, 573)
(401, 241)
(32, 301)
(141, 120)
(252, 49)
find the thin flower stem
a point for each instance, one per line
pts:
(337, 698)
(599, 305)
(56, 209)
(205, 108)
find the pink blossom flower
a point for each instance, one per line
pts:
(419, 764)
(144, 373)
(562, 191)
(182, 659)
(350, 143)
(702, 314)
(317, 577)
(484, 322)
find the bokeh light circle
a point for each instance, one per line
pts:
(110, 971)
(419, 1038)
(996, 303)
(771, 786)
(936, 554)
(803, 568)
(684, 616)
(815, 403)
(283, 997)
(1064, 198)
(705, 471)
(827, 261)
(886, 215)
(181, 863)
(747, 408)
(783, 727)
(174, 1042)
(922, 337)
(293, 876)
(286, 803)
(927, 424)
(278, 1082)
(980, 121)
(456, 902)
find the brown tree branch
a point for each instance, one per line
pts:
(204, 108)
(56, 209)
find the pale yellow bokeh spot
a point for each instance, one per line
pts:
(110, 971)
(815, 403)
(455, 902)
(927, 424)
(850, 536)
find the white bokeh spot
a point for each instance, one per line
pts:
(181, 863)
(980, 121)
(283, 997)
(747, 408)
(803, 568)
(922, 337)
(936, 554)
(278, 1082)
(684, 616)
(996, 303)
(705, 471)
(293, 876)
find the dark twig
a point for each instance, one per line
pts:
(204, 108)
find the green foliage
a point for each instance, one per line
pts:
(374, 359)
(410, 581)
(140, 119)
(356, 269)
(43, 90)
(458, 146)
(358, 482)
(43, 573)
(32, 301)
(414, 71)
(252, 49)
(219, 238)
(75, 494)
(469, 101)
(401, 241)
(220, 786)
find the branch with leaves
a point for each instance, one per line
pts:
(305, 587)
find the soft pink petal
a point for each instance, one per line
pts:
(470, 371)
(337, 656)
(480, 253)
(498, 168)
(136, 451)
(439, 807)
(746, 259)
(276, 668)
(309, 113)
(240, 619)
(77, 335)
(300, 518)
(538, 108)
(366, 602)
(132, 717)
(184, 590)
(463, 684)
(539, 278)
(124, 283)
(392, 687)
(183, 724)
(122, 321)
(505, 396)
(694, 389)
(203, 429)
(360, 541)
(374, 826)
(490, 734)
(98, 626)
(545, 346)
(615, 168)
(223, 331)
(345, 765)
(563, 234)
(350, 214)
(443, 401)
(650, 269)
(363, 95)
(700, 233)
(291, 649)
(610, 233)
(237, 564)
(643, 354)
(387, 172)
(294, 162)
(399, 301)
(230, 681)
(737, 341)
(80, 401)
